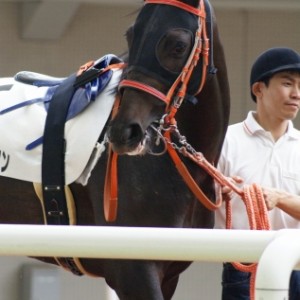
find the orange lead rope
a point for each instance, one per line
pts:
(258, 220)
(251, 195)
(110, 195)
(111, 187)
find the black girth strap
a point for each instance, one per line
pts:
(53, 162)
(53, 158)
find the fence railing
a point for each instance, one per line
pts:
(277, 252)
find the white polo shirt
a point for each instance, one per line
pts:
(251, 153)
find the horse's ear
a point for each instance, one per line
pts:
(129, 36)
(193, 3)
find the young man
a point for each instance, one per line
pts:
(265, 149)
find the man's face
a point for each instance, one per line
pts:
(281, 98)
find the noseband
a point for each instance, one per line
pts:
(176, 94)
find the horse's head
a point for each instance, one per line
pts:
(167, 58)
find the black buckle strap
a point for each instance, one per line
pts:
(87, 77)
(53, 162)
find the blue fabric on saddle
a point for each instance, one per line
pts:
(81, 99)
(22, 121)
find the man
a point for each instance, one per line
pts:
(265, 149)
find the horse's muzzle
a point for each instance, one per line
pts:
(126, 138)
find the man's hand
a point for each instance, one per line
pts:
(273, 197)
(226, 190)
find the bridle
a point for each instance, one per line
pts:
(173, 100)
(176, 94)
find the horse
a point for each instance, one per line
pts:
(172, 98)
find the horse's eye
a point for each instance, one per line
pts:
(173, 49)
(179, 49)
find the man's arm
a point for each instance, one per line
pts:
(289, 203)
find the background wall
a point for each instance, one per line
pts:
(99, 29)
(247, 33)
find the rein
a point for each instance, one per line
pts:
(251, 195)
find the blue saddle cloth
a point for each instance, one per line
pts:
(83, 96)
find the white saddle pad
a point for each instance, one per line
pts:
(22, 126)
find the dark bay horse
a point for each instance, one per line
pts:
(159, 109)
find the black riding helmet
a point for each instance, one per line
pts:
(273, 61)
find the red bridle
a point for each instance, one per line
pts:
(201, 47)
(173, 99)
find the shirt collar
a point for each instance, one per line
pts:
(251, 126)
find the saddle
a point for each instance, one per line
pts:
(6, 84)
(27, 98)
(38, 79)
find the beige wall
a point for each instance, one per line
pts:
(95, 31)
(99, 30)
(245, 35)
(71, 287)
(201, 278)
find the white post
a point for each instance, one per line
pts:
(275, 266)
(134, 243)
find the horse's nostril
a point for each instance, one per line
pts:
(125, 135)
(132, 134)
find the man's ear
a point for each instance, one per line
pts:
(257, 89)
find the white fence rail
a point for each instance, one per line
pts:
(278, 252)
